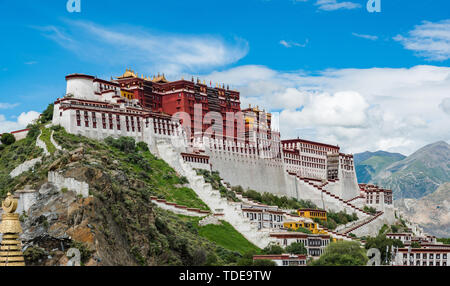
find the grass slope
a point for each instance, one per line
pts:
(125, 220)
(160, 179)
(227, 237)
(45, 137)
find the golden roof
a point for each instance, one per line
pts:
(160, 79)
(128, 74)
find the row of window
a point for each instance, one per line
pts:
(425, 255)
(258, 216)
(108, 123)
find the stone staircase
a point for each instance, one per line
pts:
(231, 211)
(360, 224)
(335, 199)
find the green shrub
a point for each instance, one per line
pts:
(381, 242)
(296, 248)
(47, 115)
(415, 244)
(33, 254)
(281, 202)
(342, 253)
(142, 146)
(370, 210)
(124, 144)
(303, 230)
(8, 139)
(34, 131)
(273, 249)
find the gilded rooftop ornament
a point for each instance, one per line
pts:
(11, 247)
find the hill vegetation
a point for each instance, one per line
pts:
(342, 253)
(369, 164)
(124, 224)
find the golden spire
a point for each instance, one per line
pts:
(11, 247)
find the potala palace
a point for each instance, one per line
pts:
(192, 125)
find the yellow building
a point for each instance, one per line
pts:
(312, 214)
(127, 94)
(312, 227)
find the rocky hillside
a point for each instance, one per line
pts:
(117, 224)
(432, 212)
(415, 176)
(370, 164)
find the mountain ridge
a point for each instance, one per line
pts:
(419, 174)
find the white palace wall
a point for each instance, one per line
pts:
(263, 173)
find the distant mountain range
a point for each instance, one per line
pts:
(369, 164)
(420, 183)
(414, 176)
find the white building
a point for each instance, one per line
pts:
(265, 216)
(315, 243)
(432, 256)
(284, 259)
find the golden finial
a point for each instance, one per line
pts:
(11, 247)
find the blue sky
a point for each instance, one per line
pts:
(272, 51)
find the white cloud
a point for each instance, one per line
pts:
(397, 110)
(445, 105)
(150, 50)
(368, 37)
(429, 40)
(23, 120)
(291, 44)
(331, 5)
(8, 105)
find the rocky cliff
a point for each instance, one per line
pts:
(432, 212)
(117, 224)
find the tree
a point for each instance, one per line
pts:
(296, 248)
(273, 249)
(415, 244)
(33, 131)
(342, 253)
(444, 240)
(47, 115)
(382, 243)
(370, 210)
(142, 146)
(247, 259)
(8, 139)
(124, 144)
